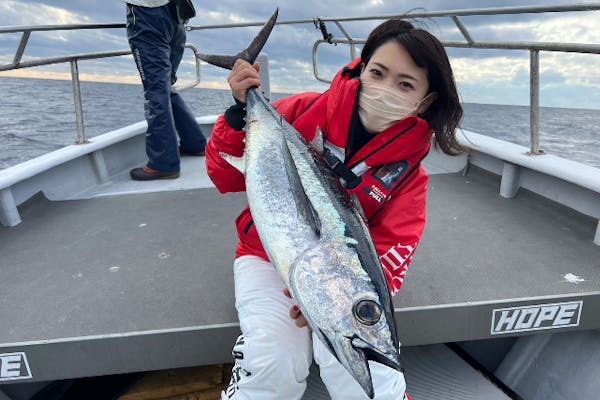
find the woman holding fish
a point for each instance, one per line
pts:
(375, 124)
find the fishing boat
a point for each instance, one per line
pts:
(101, 275)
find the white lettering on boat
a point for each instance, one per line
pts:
(14, 366)
(536, 317)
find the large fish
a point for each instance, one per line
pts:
(314, 234)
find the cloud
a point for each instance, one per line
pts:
(572, 28)
(500, 76)
(492, 70)
(575, 69)
(26, 13)
(494, 75)
(45, 74)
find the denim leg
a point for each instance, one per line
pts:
(177, 44)
(149, 31)
(192, 138)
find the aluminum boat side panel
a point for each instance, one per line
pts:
(137, 282)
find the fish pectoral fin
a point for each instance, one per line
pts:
(238, 163)
(318, 142)
(305, 207)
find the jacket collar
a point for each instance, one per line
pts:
(407, 139)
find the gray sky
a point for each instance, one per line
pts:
(488, 76)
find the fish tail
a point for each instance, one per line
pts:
(249, 54)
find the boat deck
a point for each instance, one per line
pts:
(159, 294)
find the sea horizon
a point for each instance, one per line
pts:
(38, 116)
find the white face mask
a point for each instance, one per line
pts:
(380, 106)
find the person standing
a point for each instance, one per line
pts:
(156, 35)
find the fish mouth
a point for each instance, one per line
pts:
(354, 354)
(389, 358)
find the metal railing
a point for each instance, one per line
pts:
(73, 60)
(321, 23)
(533, 47)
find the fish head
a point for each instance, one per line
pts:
(372, 335)
(341, 304)
(366, 340)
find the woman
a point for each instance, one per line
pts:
(378, 118)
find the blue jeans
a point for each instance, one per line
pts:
(157, 42)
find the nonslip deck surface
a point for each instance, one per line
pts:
(481, 253)
(116, 264)
(478, 246)
(150, 276)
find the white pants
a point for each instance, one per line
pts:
(273, 355)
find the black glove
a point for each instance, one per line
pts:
(235, 115)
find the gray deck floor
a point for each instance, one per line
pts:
(478, 246)
(151, 274)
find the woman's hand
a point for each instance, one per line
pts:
(295, 313)
(242, 77)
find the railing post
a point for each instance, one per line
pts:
(534, 103)
(81, 139)
(9, 214)
(21, 48)
(509, 184)
(350, 40)
(265, 79)
(463, 29)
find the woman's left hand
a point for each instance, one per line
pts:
(295, 313)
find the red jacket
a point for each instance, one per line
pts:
(395, 208)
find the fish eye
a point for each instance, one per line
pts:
(367, 312)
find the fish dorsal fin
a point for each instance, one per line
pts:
(249, 54)
(303, 203)
(318, 142)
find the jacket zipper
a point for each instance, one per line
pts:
(383, 145)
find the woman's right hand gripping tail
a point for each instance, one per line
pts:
(242, 77)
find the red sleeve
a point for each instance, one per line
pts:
(291, 107)
(225, 139)
(397, 229)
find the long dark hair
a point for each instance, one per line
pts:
(427, 52)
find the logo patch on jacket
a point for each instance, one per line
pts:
(375, 193)
(384, 179)
(389, 174)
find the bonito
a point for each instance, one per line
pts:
(314, 235)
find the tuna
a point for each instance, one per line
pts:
(314, 234)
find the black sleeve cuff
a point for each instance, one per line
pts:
(235, 115)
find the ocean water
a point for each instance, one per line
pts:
(37, 116)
